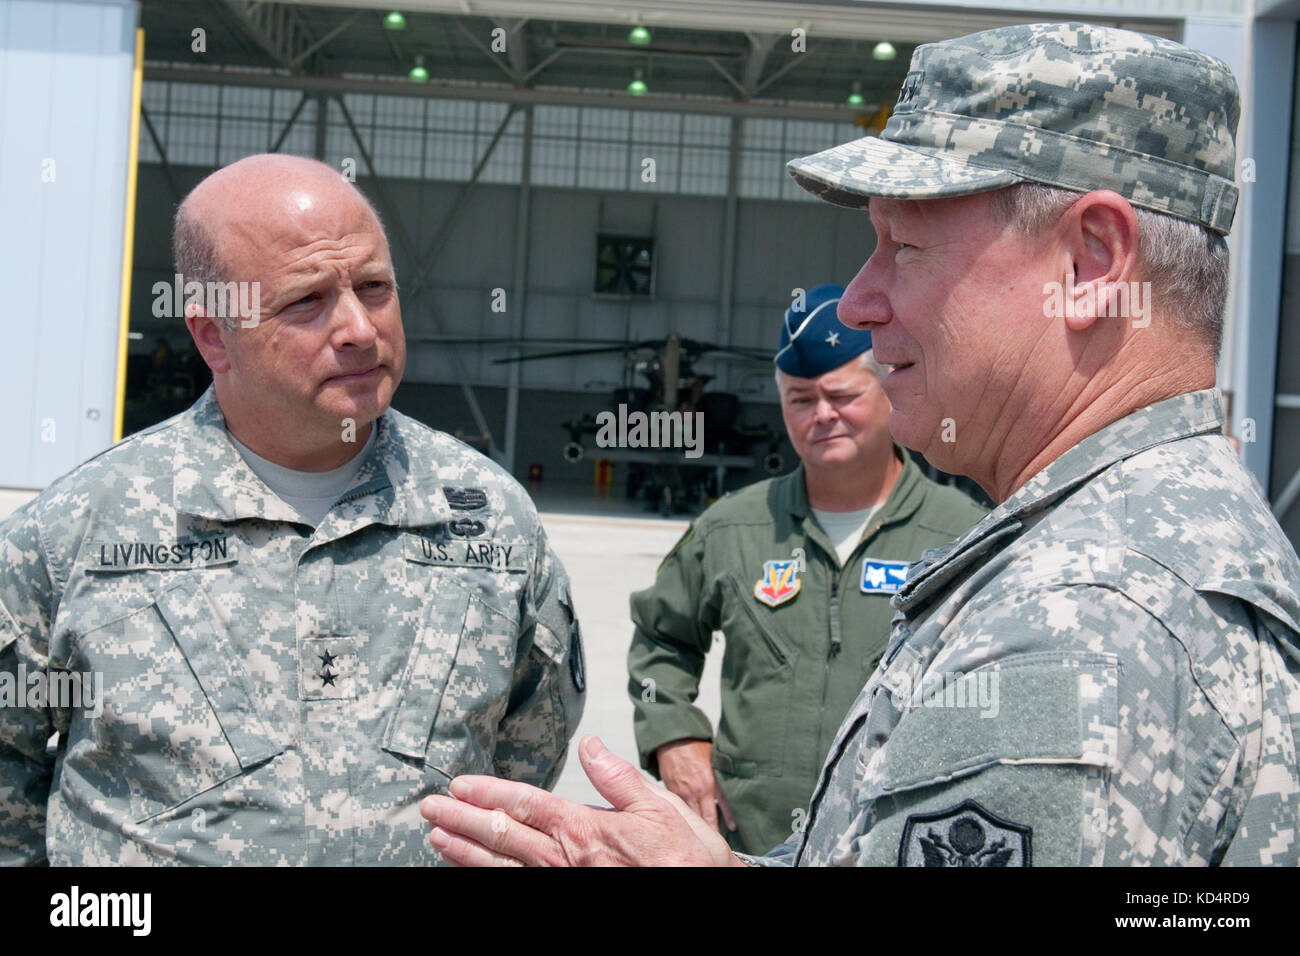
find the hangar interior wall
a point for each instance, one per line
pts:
(781, 244)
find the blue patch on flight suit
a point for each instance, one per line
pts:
(882, 577)
(964, 835)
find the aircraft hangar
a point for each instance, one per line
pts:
(596, 189)
(589, 214)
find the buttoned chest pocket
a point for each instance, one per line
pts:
(456, 685)
(176, 717)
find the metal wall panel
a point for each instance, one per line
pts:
(65, 98)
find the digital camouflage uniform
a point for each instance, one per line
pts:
(1106, 669)
(274, 695)
(1133, 609)
(789, 670)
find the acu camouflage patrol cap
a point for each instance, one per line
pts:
(1072, 105)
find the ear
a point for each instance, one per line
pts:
(209, 337)
(1101, 239)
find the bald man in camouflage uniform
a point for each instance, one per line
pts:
(297, 610)
(1105, 669)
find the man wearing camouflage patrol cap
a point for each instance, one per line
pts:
(796, 572)
(1131, 600)
(301, 611)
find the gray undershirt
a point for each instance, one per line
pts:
(311, 493)
(844, 528)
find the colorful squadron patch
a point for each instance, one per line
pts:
(779, 583)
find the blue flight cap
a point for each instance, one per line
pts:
(813, 340)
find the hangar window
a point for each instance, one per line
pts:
(768, 144)
(443, 139)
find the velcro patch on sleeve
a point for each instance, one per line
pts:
(1032, 708)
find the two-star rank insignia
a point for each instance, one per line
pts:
(327, 667)
(779, 583)
(326, 675)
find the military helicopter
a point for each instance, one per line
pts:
(665, 478)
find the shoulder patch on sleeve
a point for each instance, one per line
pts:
(1034, 708)
(964, 835)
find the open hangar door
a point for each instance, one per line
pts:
(517, 163)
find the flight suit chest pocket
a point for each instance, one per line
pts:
(456, 686)
(745, 618)
(178, 715)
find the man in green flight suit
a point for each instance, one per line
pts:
(796, 572)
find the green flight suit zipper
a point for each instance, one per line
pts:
(835, 614)
(836, 642)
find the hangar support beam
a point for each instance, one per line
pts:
(507, 94)
(407, 244)
(520, 292)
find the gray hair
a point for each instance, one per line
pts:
(866, 360)
(1186, 263)
(195, 253)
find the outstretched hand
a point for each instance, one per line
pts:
(492, 822)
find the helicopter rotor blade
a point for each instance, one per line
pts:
(698, 348)
(570, 353)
